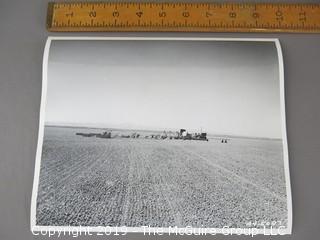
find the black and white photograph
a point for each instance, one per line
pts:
(162, 132)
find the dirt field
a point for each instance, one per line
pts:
(137, 182)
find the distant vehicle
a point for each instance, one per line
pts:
(104, 135)
(183, 134)
(196, 136)
(98, 135)
(87, 134)
(125, 136)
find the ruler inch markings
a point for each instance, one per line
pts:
(183, 16)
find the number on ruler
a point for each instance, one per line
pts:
(139, 14)
(302, 16)
(279, 15)
(115, 14)
(208, 14)
(92, 14)
(185, 14)
(232, 14)
(69, 14)
(162, 14)
(255, 15)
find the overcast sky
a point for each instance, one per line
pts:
(221, 87)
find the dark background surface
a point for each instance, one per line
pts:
(22, 39)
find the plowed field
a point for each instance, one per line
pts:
(138, 182)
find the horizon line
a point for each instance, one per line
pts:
(137, 129)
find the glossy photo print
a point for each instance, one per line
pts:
(176, 134)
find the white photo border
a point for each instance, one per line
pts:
(267, 231)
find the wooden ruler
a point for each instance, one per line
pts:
(183, 17)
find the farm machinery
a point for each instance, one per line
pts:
(98, 135)
(182, 135)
